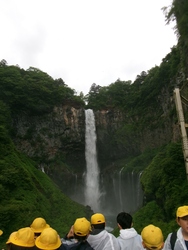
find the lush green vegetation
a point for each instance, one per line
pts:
(178, 11)
(33, 91)
(165, 188)
(164, 180)
(26, 192)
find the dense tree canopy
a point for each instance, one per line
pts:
(33, 91)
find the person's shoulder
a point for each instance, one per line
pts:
(111, 235)
(169, 235)
(88, 246)
(69, 246)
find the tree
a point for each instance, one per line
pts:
(3, 63)
(59, 82)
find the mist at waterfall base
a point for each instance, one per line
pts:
(109, 193)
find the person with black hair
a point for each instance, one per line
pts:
(99, 238)
(128, 238)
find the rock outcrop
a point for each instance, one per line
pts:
(58, 135)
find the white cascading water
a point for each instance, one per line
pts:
(120, 191)
(92, 194)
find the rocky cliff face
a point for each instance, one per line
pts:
(121, 135)
(57, 143)
(58, 135)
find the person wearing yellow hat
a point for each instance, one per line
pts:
(80, 231)
(48, 239)
(38, 225)
(179, 240)
(99, 238)
(152, 237)
(23, 238)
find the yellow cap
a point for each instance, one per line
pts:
(49, 239)
(97, 219)
(82, 227)
(152, 237)
(182, 211)
(1, 232)
(24, 237)
(38, 225)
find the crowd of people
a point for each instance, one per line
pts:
(92, 235)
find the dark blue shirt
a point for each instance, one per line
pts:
(186, 243)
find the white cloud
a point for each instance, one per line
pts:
(85, 41)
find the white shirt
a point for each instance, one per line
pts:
(103, 241)
(129, 239)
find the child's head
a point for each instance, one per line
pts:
(98, 221)
(152, 237)
(38, 225)
(48, 239)
(182, 211)
(182, 217)
(21, 239)
(124, 220)
(81, 228)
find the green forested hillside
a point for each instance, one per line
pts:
(165, 188)
(33, 91)
(27, 193)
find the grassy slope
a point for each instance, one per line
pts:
(27, 193)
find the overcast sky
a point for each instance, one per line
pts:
(85, 41)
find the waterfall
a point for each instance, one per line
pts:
(92, 193)
(120, 191)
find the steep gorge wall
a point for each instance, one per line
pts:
(58, 135)
(56, 141)
(120, 135)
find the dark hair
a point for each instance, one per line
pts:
(99, 226)
(124, 220)
(11, 246)
(37, 234)
(80, 238)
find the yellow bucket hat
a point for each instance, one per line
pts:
(38, 225)
(48, 240)
(23, 237)
(97, 219)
